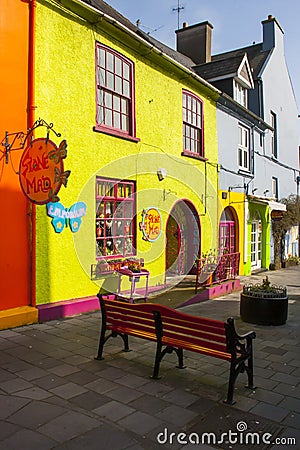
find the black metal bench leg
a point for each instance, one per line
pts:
(249, 365)
(249, 370)
(102, 341)
(126, 343)
(179, 353)
(158, 356)
(232, 377)
(99, 356)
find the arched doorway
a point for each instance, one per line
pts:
(228, 232)
(256, 241)
(182, 238)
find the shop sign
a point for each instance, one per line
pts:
(276, 215)
(41, 170)
(151, 224)
(63, 217)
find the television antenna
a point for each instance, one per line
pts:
(178, 9)
(151, 30)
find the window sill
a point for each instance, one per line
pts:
(245, 173)
(117, 134)
(193, 155)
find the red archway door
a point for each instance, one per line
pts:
(172, 245)
(182, 238)
(228, 232)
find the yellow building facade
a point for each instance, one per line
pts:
(146, 167)
(233, 203)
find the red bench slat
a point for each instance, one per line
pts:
(198, 333)
(171, 314)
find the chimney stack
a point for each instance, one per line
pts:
(195, 41)
(272, 33)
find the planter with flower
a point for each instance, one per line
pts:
(291, 261)
(264, 304)
(134, 265)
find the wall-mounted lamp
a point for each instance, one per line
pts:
(161, 173)
(266, 191)
(254, 190)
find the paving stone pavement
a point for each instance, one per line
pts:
(54, 395)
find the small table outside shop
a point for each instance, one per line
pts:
(134, 277)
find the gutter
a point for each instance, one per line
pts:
(31, 54)
(242, 111)
(147, 44)
(30, 121)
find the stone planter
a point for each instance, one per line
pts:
(291, 263)
(264, 308)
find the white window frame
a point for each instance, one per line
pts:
(256, 242)
(273, 123)
(244, 148)
(240, 94)
(275, 188)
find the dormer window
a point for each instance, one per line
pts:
(240, 94)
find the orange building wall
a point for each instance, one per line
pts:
(14, 219)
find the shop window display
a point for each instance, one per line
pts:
(115, 210)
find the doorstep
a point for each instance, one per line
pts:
(16, 317)
(67, 308)
(214, 291)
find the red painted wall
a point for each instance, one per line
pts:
(14, 208)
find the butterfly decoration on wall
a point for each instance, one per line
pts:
(59, 153)
(60, 176)
(63, 217)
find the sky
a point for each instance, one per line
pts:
(236, 23)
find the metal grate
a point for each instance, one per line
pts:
(247, 428)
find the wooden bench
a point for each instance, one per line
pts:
(175, 331)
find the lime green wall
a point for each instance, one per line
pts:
(264, 213)
(65, 96)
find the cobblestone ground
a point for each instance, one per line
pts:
(54, 395)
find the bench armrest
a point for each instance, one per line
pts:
(231, 327)
(249, 335)
(233, 339)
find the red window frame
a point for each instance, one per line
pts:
(193, 130)
(115, 100)
(115, 213)
(227, 237)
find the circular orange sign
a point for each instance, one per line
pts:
(151, 224)
(41, 170)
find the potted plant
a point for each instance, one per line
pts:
(291, 261)
(264, 304)
(134, 266)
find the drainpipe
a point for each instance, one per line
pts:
(260, 99)
(246, 218)
(30, 121)
(298, 202)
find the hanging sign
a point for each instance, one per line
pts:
(151, 224)
(276, 215)
(66, 216)
(41, 170)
